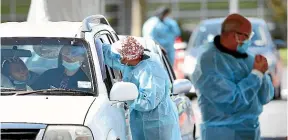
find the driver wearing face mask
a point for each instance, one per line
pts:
(68, 73)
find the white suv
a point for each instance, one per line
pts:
(96, 110)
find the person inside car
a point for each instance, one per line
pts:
(68, 73)
(18, 74)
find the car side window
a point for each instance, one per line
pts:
(115, 36)
(116, 75)
(169, 68)
(110, 76)
(98, 42)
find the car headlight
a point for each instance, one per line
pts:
(189, 65)
(58, 132)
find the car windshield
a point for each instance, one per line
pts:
(205, 33)
(39, 64)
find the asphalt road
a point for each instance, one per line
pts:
(273, 120)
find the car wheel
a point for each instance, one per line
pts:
(277, 93)
(194, 132)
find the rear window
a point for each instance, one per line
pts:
(205, 34)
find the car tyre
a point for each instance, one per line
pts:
(277, 93)
(194, 132)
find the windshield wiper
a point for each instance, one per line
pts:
(57, 92)
(10, 89)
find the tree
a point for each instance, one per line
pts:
(279, 16)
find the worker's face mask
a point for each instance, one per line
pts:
(243, 45)
(71, 66)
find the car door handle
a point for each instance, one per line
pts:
(126, 107)
(118, 105)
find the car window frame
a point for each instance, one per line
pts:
(86, 45)
(166, 63)
(169, 68)
(114, 75)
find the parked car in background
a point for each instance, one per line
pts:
(180, 87)
(179, 47)
(262, 43)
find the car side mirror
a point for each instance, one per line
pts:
(123, 91)
(181, 86)
(280, 43)
(180, 46)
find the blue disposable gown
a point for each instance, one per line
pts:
(230, 97)
(164, 33)
(153, 115)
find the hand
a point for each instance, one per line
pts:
(260, 63)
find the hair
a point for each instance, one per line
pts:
(6, 64)
(161, 12)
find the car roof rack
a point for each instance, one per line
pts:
(89, 21)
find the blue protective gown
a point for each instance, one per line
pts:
(164, 33)
(230, 97)
(153, 115)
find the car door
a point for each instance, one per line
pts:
(116, 77)
(110, 76)
(183, 103)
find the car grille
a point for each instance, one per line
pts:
(19, 134)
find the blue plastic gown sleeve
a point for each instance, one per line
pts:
(224, 93)
(174, 27)
(112, 59)
(227, 95)
(153, 34)
(150, 91)
(266, 92)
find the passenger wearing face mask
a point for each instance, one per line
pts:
(232, 85)
(18, 74)
(164, 30)
(68, 73)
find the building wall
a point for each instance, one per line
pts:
(118, 12)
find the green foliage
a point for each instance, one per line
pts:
(283, 55)
(279, 11)
(279, 17)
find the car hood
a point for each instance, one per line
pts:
(45, 109)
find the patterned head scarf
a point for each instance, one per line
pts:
(130, 48)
